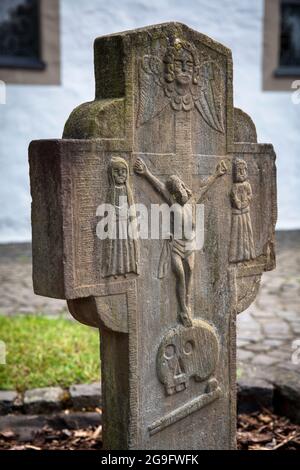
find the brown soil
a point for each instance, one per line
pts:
(257, 431)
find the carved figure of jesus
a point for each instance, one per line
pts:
(182, 251)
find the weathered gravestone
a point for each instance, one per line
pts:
(162, 129)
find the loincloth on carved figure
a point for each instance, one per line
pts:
(183, 248)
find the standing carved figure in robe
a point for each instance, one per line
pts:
(241, 242)
(121, 254)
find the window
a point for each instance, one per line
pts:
(20, 34)
(289, 57)
(281, 44)
(29, 41)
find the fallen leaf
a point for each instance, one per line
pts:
(29, 446)
(7, 434)
(97, 433)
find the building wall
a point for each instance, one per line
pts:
(38, 112)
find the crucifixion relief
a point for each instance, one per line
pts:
(181, 251)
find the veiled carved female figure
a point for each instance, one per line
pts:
(121, 249)
(241, 244)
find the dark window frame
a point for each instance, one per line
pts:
(48, 70)
(275, 78)
(33, 62)
(285, 70)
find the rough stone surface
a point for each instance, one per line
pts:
(162, 129)
(273, 388)
(253, 394)
(26, 427)
(16, 276)
(278, 386)
(43, 400)
(264, 360)
(49, 399)
(287, 392)
(271, 324)
(85, 396)
(7, 401)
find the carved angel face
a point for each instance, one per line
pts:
(183, 68)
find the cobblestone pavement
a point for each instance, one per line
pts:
(266, 331)
(16, 294)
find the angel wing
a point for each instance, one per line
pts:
(208, 97)
(152, 99)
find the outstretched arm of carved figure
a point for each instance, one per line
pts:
(220, 170)
(141, 169)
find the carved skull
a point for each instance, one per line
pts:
(185, 353)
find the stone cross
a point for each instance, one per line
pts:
(161, 130)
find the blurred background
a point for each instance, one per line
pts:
(46, 70)
(46, 64)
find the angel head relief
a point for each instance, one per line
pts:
(181, 72)
(181, 80)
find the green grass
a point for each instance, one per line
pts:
(42, 352)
